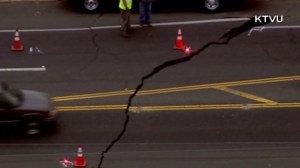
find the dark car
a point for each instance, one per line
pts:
(29, 109)
(93, 6)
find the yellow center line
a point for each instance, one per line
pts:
(179, 107)
(177, 89)
(246, 95)
(93, 95)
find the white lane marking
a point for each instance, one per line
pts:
(43, 68)
(134, 25)
(228, 149)
(274, 143)
(261, 28)
(35, 50)
(202, 21)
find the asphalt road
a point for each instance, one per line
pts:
(232, 105)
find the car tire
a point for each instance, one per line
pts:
(212, 6)
(91, 6)
(32, 127)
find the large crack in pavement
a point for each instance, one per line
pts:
(224, 40)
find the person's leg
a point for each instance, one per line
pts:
(128, 20)
(125, 23)
(142, 13)
(148, 9)
(122, 20)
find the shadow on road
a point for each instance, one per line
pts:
(10, 132)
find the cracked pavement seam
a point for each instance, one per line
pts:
(94, 37)
(94, 40)
(224, 40)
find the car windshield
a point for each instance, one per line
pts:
(10, 98)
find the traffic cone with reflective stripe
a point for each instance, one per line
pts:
(17, 44)
(179, 45)
(80, 161)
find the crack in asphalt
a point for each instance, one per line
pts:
(94, 37)
(284, 66)
(224, 40)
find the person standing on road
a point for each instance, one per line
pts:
(145, 7)
(125, 7)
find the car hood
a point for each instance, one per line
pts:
(34, 100)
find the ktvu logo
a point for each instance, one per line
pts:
(268, 18)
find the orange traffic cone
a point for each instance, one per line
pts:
(179, 45)
(80, 161)
(17, 44)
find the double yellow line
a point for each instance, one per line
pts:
(176, 89)
(178, 107)
(223, 86)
